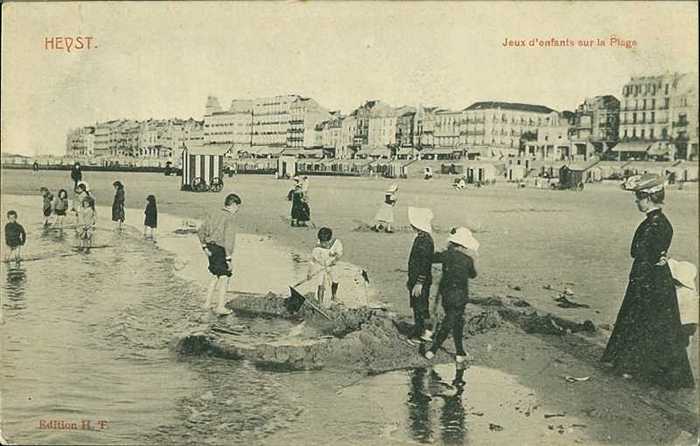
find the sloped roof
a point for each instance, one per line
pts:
(209, 149)
(509, 106)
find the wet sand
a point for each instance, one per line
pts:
(541, 251)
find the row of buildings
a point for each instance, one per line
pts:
(656, 118)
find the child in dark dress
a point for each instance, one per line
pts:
(15, 237)
(47, 204)
(458, 266)
(151, 221)
(420, 270)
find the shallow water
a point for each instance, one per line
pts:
(86, 336)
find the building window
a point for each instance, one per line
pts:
(642, 134)
(666, 91)
(664, 133)
(634, 133)
(653, 103)
(652, 117)
(634, 118)
(651, 133)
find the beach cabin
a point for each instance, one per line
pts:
(286, 166)
(203, 166)
(480, 173)
(515, 172)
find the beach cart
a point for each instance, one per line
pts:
(202, 169)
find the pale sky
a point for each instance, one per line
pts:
(162, 59)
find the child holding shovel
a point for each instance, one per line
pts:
(458, 266)
(324, 258)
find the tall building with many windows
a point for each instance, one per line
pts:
(271, 116)
(494, 129)
(305, 114)
(232, 126)
(660, 111)
(81, 142)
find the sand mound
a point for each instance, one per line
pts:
(359, 339)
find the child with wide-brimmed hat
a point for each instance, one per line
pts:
(385, 216)
(458, 266)
(420, 269)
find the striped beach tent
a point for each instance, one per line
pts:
(203, 163)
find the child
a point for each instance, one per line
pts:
(151, 222)
(118, 212)
(87, 219)
(684, 274)
(420, 269)
(47, 206)
(61, 207)
(458, 266)
(324, 257)
(385, 215)
(15, 237)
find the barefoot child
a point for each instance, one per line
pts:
(47, 205)
(324, 258)
(15, 237)
(61, 207)
(151, 221)
(458, 266)
(87, 219)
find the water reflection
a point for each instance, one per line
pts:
(419, 407)
(427, 387)
(15, 287)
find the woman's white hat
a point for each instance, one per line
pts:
(421, 218)
(393, 188)
(463, 237)
(684, 272)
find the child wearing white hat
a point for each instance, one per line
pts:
(385, 215)
(458, 266)
(420, 264)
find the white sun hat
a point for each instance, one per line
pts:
(463, 237)
(684, 272)
(393, 188)
(421, 218)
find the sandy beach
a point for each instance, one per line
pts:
(530, 239)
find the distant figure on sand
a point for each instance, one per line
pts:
(648, 341)
(385, 216)
(118, 206)
(301, 213)
(76, 174)
(150, 223)
(218, 238)
(60, 207)
(35, 167)
(87, 219)
(324, 258)
(420, 263)
(458, 266)
(47, 205)
(15, 237)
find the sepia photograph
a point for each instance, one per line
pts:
(349, 223)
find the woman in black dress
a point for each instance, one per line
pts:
(76, 174)
(647, 341)
(118, 213)
(300, 208)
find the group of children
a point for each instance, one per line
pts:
(458, 262)
(83, 207)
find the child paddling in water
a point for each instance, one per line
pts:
(61, 207)
(87, 219)
(47, 204)
(15, 237)
(323, 259)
